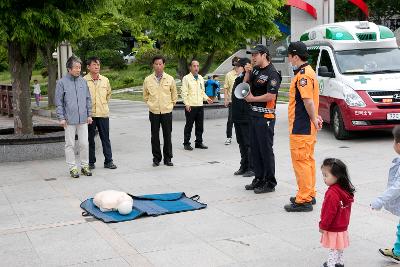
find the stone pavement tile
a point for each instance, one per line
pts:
(69, 245)
(28, 191)
(144, 224)
(3, 198)
(87, 186)
(222, 229)
(160, 239)
(373, 225)
(47, 211)
(285, 222)
(9, 222)
(285, 258)
(252, 207)
(195, 254)
(115, 262)
(254, 247)
(17, 250)
(364, 253)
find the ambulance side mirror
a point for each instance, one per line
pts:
(324, 72)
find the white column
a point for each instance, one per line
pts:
(64, 51)
(300, 20)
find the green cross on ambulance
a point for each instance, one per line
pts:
(358, 68)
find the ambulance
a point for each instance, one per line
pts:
(358, 69)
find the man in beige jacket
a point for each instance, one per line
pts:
(160, 94)
(100, 92)
(193, 95)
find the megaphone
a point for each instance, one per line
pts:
(242, 90)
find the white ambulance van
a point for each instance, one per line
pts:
(358, 69)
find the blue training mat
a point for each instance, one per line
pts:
(146, 205)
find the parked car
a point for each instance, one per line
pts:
(131, 57)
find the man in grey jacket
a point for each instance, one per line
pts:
(73, 107)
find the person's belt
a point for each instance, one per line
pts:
(262, 110)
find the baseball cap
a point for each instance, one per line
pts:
(235, 59)
(242, 62)
(298, 48)
(258, 49)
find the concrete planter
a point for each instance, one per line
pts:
(47, 143)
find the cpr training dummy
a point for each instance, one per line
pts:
(111, 200)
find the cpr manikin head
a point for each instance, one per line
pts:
(125, 207)
(111, 200)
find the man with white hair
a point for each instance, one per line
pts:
(74, 111)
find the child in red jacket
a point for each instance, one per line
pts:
(336, 209)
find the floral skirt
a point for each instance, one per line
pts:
(335, 240)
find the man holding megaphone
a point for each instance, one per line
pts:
(264, 81)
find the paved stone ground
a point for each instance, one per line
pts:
(41, 222)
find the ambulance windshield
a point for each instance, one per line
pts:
(368, 61)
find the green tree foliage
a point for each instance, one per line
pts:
(190, 28)
(27, 25)
(377, 9)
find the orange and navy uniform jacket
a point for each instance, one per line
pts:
(303, 86)
(262, 81)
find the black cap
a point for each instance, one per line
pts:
(235, 59)
(298, 48)
(258, 49)
(242, 62)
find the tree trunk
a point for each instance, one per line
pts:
(21, 59)
(207, 65)
(51, 65)
(183, 68)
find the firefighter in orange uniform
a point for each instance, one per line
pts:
(304, 123)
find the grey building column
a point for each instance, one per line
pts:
(64, 51)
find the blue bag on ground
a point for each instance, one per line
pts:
(146, 205)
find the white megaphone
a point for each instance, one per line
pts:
(242, 90)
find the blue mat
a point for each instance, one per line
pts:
(146, 205)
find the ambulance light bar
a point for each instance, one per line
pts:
(336, 33)
(363, 25)
(385, 32)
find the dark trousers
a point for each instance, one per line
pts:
(261, 145)
(165, 120)
(196, 115)
(242, 131)
(229, 123)
(103, 126)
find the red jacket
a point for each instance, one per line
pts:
(336, 209)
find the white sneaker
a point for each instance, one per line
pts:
(228, 141)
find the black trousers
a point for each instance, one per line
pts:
(165, 120)
(229, 123)
(103, 126)
(196, 115)
(242, 131)
(261, 145)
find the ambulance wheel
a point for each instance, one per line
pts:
(338, 128)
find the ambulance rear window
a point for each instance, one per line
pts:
(368, 61)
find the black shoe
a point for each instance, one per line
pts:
(313, 201)
(188, 147)
(339, 265)
(239, 172)
(298, 207)
(248, 174)
(109, 165)
(201, 146)
(168, 163)
(263, 189)
(254, 184)
(92, 166)
(156, 163)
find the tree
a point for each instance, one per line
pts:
(194, 27)
(27, 25)
(378, 10)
